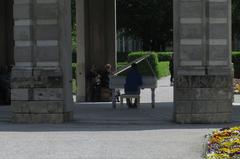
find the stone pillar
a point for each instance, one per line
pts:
(96, 27)
(203, 69)
(41, 89)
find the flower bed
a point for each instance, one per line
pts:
(224, 144)
(236, 86)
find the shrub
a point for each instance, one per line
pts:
(74, 56)
(74, 68)
(143, 66)
(164, 56)
(236, 63)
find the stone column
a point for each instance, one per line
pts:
(96, 25)
(203, 69)
(41, 89)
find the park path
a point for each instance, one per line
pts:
(100, 132)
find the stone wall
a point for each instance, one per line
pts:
(40, 89)
(203, 71)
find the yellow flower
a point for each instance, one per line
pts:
(217, 156)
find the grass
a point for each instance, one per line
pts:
(163, 68)
(74, 86)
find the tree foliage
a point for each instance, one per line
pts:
(74, 32)
(236, 17)
(149, 20)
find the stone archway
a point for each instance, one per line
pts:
(42, 90)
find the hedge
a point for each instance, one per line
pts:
(157, 57)
(74, 56)
(143, 66)
(164, 56)
(74, 68)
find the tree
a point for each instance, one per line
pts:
(74, 31)
(236, 17)
(151, 21)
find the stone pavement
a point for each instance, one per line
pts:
(100, 132)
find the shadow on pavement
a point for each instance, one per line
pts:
(102, 117)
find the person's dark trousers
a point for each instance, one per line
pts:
(129, 102)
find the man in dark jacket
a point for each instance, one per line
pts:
(133, 83)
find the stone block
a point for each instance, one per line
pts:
(20, 94)
(210, 81)
(48, 78)
(183, 118)
(218, 31)
(37, 107)
(21, 118)
(38, 118)
(192, 31)
(23, 54)
(220, 70)
(199, 107)
(56, 118)
(20, 107)
(22, 11)
(47, 71)
(183, 107)
(55, 107)
(193, 7)
(191, 53)
(218, 10)
(21, 78)
(48, 94)
(218, 52)
(46, 11)
(211, 118)
(47, 107)
(214, 118)
(46, 32)
(49, 53)
(22, 83)
(21, 72)
(203, 93)
(23, 33)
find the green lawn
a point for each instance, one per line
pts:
(74, 86)
(163, 68)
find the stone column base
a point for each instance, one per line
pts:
(42, 118)
(39, 112)
(203, 99)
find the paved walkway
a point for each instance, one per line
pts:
(100, 132)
